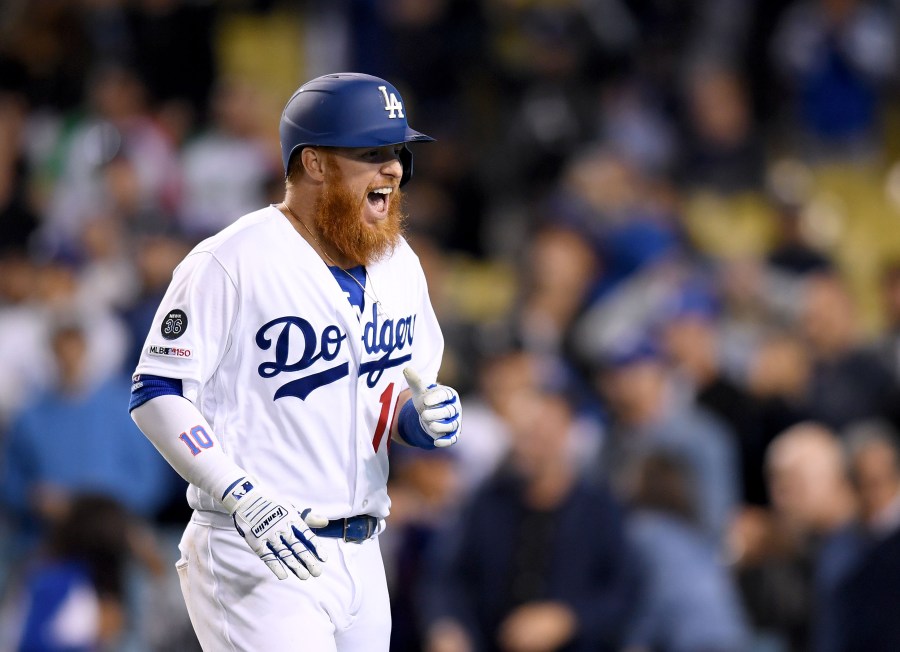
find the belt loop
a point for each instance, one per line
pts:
(346, 523)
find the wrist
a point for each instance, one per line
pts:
(410, 429)
(232, 496)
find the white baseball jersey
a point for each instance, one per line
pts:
(299, 387)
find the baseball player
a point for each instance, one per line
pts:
(289, 349)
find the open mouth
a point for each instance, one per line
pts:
(378, 199)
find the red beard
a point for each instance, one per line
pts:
(338, 220)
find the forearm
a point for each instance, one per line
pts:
(187, 442)
(273, 527)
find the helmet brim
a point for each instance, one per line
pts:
(413, 136)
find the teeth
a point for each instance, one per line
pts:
(383, 191)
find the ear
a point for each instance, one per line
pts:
(313, 162)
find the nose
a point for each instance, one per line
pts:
(393, 167)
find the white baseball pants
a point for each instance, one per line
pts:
(236, 604)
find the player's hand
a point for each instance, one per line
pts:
(439, 408)
(276, 530)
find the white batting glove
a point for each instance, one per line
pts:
(276, 530)
(439, 408)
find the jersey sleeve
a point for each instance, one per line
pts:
(191, 330)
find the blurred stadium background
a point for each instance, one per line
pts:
(663, 238)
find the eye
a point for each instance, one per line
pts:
(381, 154)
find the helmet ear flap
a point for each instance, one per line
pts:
(406, 158)
(292, 161)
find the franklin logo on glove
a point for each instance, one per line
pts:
(268, 520)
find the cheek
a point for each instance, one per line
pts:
(358, 189)
(356, 181)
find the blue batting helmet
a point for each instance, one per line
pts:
(347, 109)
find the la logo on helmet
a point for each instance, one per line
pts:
(392, 105)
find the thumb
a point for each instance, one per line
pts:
(415, 382)
(313, 520)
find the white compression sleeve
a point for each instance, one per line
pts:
(186, 440)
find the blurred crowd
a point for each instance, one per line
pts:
(662, 238)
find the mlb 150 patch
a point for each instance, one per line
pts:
(174, 324)
(168, 351)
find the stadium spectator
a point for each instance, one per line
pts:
(23, 353)
(690, 602)
(74, 438)
(849, 382)
(775, 549)
(71, 593)
(649, 415)
(721, 150)
(226, 168)
(496, 586)
(560, 270)
(836, 58)
(425, 494)
(116, 155)
(156, 255)
(689, 337)
(858, 569)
